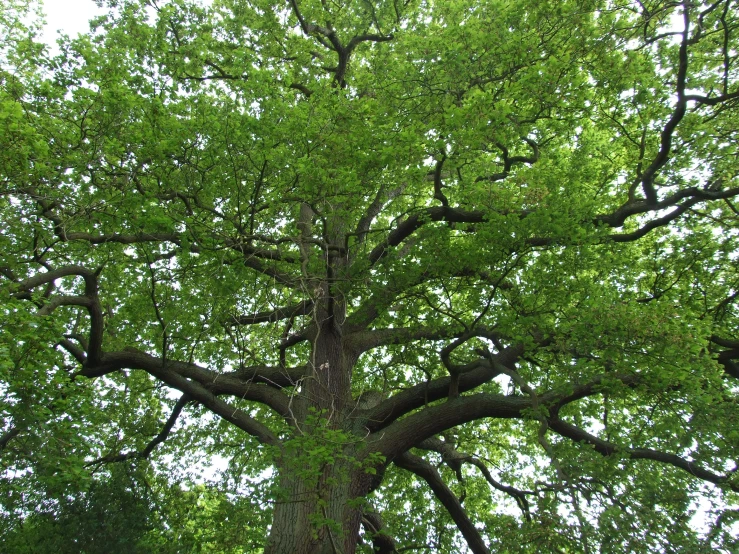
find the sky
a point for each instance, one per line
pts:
(69, 16)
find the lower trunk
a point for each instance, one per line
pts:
(317, 516)
(319, 474)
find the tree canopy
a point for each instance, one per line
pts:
(429, 275)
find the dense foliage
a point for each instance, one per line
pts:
(425, 275)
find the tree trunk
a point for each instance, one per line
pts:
(318, 470)
(317, 517)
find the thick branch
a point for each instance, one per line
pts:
(122, 239)
(694, 194)
(308, 28)
(727, 357)
(432, 420)
(655, 223)
(302, 88)
(712, 100)
(428, 473)
(482, 371)
(278, 314)
(75, 351)
(401, 434)
(6, 437)
(357, 40)
(279, 377)
(262, 253)
(362, 341)
(233, 415)
(438, 185)
(381, 542)
(414, 222)
(282, 278)
(726, 343)
(662, 157)
(238, 384)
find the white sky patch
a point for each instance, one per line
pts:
(70, 17)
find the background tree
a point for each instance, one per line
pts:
(428, 274)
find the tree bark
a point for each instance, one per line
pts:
(317, 517)
(313, 512)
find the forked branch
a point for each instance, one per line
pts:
(454, 459)
(88, 300)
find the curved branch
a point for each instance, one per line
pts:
(510, 161)
(414, 222)
(438, 185)
(432, 420)
(282, 278)
(121, 238)
(9, 435)
(188, 374)
(712, 100)
(618, 218)
(606, 448)
(454, 459)
(456, 370)
(233, 415)
(655, 223)
(400, 434)
(89, 300)
(381, 542)
(362, 341)
(372, 307)
(428, 473)
(302, 88)
(727, 357)
(682, 201)
(262, 253)
(308, 28)
(302, 308)
(663, 155)
(75, 351)
(357, 40)
(278, 377)
(330, 40)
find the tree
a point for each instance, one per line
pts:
(435, 274)
(127, 512)
(112, 516)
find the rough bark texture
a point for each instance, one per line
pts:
(317, 517)
(295, 528)
(313, 514)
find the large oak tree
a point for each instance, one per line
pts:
(429, 274)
